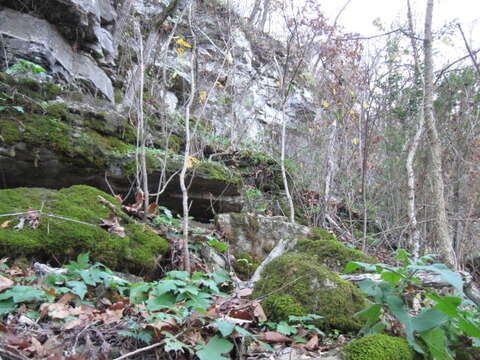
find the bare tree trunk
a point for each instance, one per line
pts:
(332, 138)
(186, 159)
(364, 178)
(282, 165)
(255, 12)
(414, 238)
(141, 129)
(266, 8)
(442, 238)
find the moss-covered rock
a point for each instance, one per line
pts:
(60, 240)
(378, 347)
(312, 289)
(332, 253)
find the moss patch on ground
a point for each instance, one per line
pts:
(378, 347)
(59, 240)
(313, 289)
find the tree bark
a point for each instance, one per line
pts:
(186, 159)
(442, 241)
(415, 237)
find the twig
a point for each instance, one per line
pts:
(150, 347)
(11, 356)
(80, 333)
(125, 218)
(47, 215)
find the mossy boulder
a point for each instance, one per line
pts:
(312, 289)
(378, 347)
(332, 253)
(60, 239)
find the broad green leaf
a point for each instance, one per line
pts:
(7, 306)
(354, 265)
(447, 304)
(181, 275)
(452, 277)
(242, 331)
(469, 327)
(437, 343)
(21, 294)
(221, 276)
(226, 328)
(138, 292)
(78, 288)
(403, 256)
(164, 286)
(265, 345)
(161, 302)
(391, 277)
(429, 319)
(397, 307)
(368, 287)
(285, 329)
(214, 349)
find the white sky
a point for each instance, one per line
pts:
(360, 14)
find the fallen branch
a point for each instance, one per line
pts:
(119, 213)
(281, 248)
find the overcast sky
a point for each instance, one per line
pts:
(360, 14)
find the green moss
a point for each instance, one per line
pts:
(378, 347)
(217, 171)
(33, 89)
(62, 240)
(245, 264)
(321, 234)
(282, 306)
(331, 253)
(314, 290)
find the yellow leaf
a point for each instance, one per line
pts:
(355, 141)
(174, 75)
(365, 106)
(352, 93)
(181, 51)
(325, 104)
(203, 96)
(183, 43)
(352, 113)
(191, 161)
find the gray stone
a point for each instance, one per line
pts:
(258, 234)
(27, 37)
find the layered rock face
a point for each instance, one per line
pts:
(82, 133)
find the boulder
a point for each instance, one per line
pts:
(69, 225)
(295, 284)
(27, 37)
(251, 237)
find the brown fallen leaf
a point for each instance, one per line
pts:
(6, 224)
(245, 292)
(5, 283)
(110, 316)
(152, 209)
(312, 344)
(258, 311)
(274, 337)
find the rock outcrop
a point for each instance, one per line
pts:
(27, 37)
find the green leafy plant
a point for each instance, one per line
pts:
(442, 323)
(166, 218)
(23, 66)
